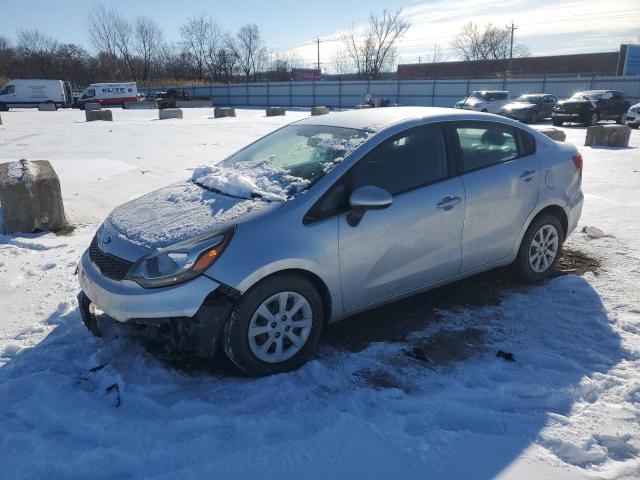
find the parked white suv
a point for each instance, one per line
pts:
(633, 116)
(484, 101)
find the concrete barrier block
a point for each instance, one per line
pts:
(0, 119)
(168, 113)
(275, 111)
(554, 133)
(141, 105)
(362, 106)
(92, 106)
(47, 107)
(194, 104)
(608, 135)
(93, 115)
(30, 197)
(319, 111)
(220, 112)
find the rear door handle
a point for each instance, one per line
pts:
(448, 202)
(527, 175)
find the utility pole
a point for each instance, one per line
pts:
(512, 28)
(317, 41)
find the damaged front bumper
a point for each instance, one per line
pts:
(181, 320)
(171, 337)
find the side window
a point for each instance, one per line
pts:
(618, 96)
(486, 144)
(89, 94)
(404, 162)
(8, 90)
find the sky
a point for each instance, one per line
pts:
(547, 27)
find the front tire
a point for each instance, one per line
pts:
(3, 107)
(276, 326)
(540, 249)
(533, 117)
(556, 123)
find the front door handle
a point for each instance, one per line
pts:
(527, 175)
(448, 202)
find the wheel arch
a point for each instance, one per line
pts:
(554, 208)
(315, 280)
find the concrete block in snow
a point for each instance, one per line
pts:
(168, 113)
(30, 197)
(275, 111)
(554, 133)
(608, 135)
(93, 115)
(220, 112)
(319, 111)
(141, 105)
(47, 107)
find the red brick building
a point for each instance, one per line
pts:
(586, 64)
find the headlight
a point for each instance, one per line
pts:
(180, 262)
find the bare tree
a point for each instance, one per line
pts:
(111, 33)
(36, 50)
(437, 53)
(340, 61)
(492, 43)
(249, 50)
(197, 37)
(101, 29)
(7, 56)
(374, 49)
(148, 41)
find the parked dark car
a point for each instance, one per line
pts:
(530, 107)
(590, 107)
(167, 98)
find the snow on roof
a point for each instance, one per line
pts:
(379, 118)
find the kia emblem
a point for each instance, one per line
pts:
(106, 240)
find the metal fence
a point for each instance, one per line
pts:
(437, 93)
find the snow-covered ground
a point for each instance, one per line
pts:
(567, 408)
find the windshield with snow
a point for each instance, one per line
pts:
(590, 95)
(281, 164)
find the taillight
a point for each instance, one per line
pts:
(577, 161)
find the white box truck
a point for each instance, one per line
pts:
(29, 93)
(108, 94)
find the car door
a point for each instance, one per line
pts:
(548, 102)
(605, 104)
(417, 240)
(501, 178)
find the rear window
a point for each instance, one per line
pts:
(486, 144)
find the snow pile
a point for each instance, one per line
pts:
(250, 179)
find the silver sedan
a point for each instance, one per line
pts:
(326, 217)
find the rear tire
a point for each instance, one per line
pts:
(556, 123)
(540, 249)
(621, 119)
(276, 326)
(633, 125)
(3, 107)
(533, 117)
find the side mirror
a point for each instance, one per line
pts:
(366, 198)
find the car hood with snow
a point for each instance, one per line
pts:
(179, 212)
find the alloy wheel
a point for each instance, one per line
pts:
(280, 327)
(543, 249)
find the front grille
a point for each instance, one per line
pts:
(110, 266)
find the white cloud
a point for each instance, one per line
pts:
(547, 27)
